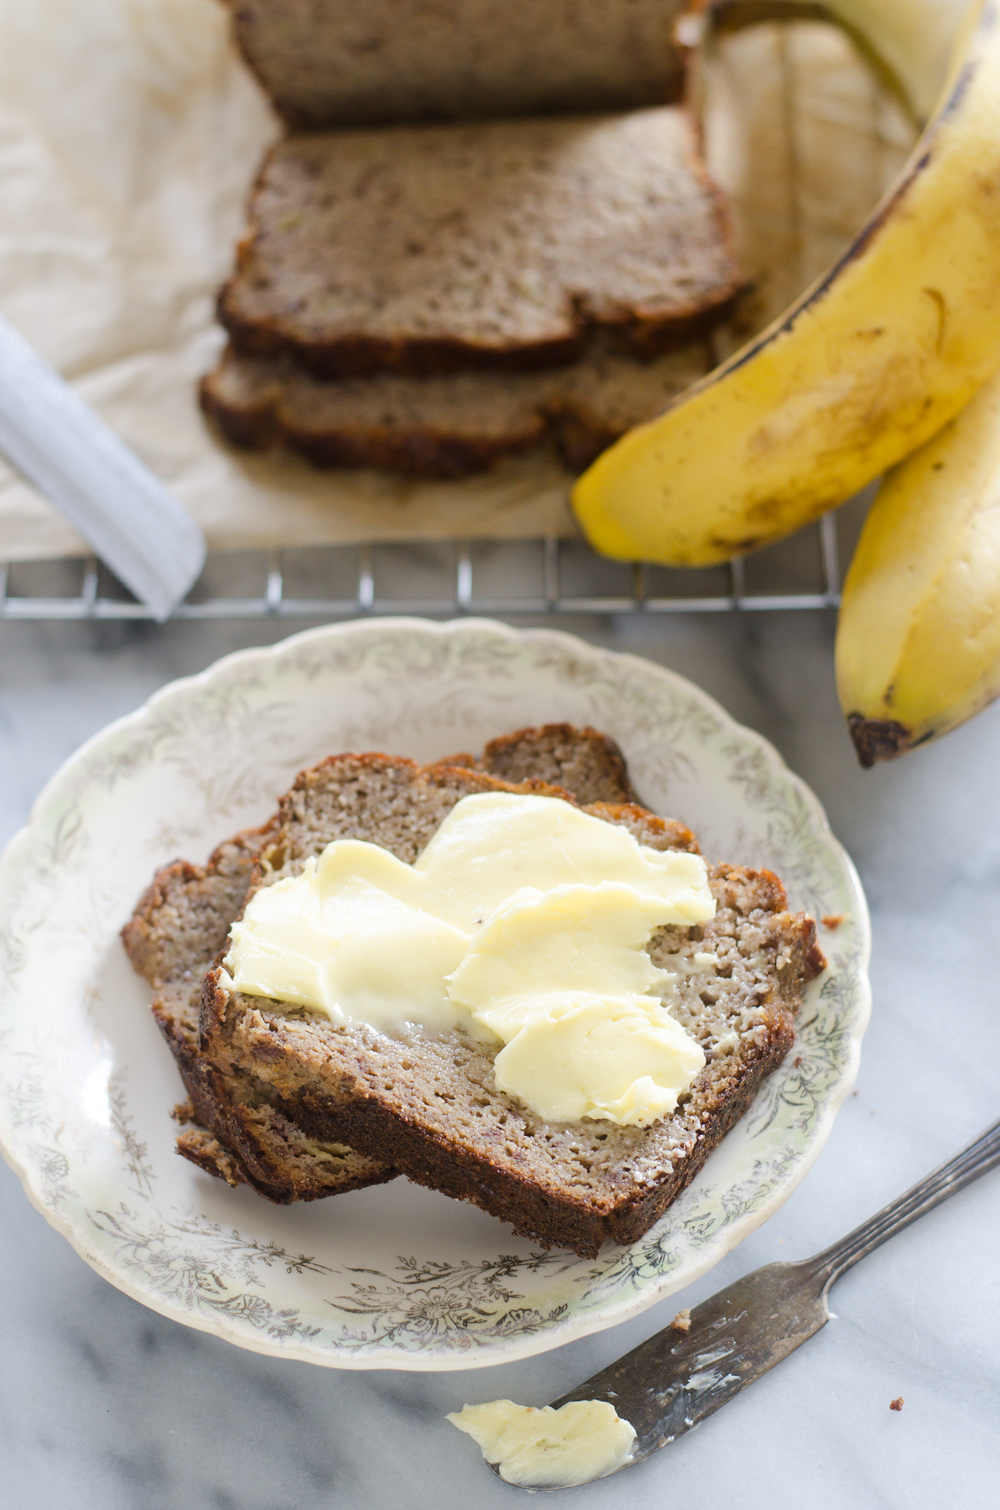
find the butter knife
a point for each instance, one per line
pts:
(673, 1380)
(109, 496)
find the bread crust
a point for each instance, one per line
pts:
(177, 929)
(448, 426)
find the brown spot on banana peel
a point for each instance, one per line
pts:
(884, 738)
(729, 547)
(878, 738)
(942, 314)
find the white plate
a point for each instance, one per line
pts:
(393, 1277)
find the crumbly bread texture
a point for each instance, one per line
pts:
(584, 762)
(581, 761)
(348, 62)
(451, 424)
(178, 928)
(421, 249)
(426, 1103)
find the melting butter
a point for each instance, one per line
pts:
(563, 936)
(495, 842)
(548, 1448)
(524, 921)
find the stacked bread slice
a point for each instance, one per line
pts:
(297, 1106)
(363, 62)
(427, 295)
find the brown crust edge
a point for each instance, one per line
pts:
(641, 335)
(220, 1140)
(495, 749)
(265, 424)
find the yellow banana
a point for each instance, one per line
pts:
(865, 367)
(918, 640)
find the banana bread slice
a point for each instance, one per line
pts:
(451, 424)
(179, 926)
(426, 1102)
(421, 249)
(182, 922)
(348, 62)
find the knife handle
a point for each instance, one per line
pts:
(982, 1154)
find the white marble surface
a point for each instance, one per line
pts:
(105, 1404)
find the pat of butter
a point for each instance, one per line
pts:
(548, 1448)
(524, 920)
(492, 844)
(586, 938)
(356, 953)
(613, 1059)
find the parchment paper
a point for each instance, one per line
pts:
(129, 132)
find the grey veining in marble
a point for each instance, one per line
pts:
(106, 1404)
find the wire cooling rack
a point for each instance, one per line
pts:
(549, 576)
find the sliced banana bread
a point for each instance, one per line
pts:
(334, 62)
(182, 922)
(426, 1103)
(448, 425)
(421, 249)
(180, 925)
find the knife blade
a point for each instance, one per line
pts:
(671, 1382)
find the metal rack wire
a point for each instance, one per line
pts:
(716, 590)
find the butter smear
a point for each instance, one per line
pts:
(524, 921)
(548, 1448)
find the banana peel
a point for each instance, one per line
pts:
(869, 363)
(918, 638)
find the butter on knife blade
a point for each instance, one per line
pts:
(109, 496)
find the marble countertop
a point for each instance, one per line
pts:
(106, 1404)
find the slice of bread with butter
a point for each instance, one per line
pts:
(183, 921)
(513, 965)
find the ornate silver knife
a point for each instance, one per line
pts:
(675, 1379)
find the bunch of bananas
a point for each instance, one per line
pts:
(888, 364)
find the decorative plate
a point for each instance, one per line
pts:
(395, 1276)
